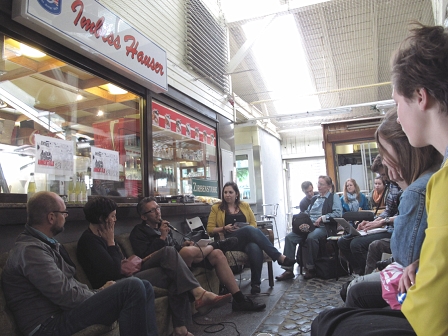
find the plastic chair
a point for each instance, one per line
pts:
(198, 233)
(272, 216)
(195, 223)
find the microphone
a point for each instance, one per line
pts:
(185, 236)
(174, 229)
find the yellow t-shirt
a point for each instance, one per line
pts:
(426, 304)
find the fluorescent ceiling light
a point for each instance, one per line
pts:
(115, 90)
(30, 52)
(385, 105)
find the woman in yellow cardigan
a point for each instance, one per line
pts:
(250, 240)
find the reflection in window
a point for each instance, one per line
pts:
(40, 94)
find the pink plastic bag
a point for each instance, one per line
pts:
(390, 278)
(131, 265)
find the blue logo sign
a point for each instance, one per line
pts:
(51, 6)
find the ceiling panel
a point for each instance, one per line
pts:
(348, 45)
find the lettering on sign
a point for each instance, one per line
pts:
(97, 30)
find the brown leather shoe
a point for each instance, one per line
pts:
(285, 276)
(309, 274)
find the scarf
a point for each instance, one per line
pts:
(353, 203)
(378, 198)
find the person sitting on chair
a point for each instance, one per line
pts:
(101, 257)
(411, 168)
(45, 298)
(353, 199)
(154, 234)
(308, 190)
(311, 228)
(377, 195)
(251, 240)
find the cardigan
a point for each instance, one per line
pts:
(217, 216)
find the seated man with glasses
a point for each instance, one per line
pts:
(41, 290)
(154, 233)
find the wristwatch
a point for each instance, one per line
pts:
(387, 220)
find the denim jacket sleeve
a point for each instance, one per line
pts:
(410, 225)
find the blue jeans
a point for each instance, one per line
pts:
(253, 242)
(130, 301)
(312, 242)
(355, 249)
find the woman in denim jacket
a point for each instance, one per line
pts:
(411, 168)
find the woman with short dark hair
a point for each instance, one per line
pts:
(101, 257)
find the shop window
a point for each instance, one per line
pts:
(184, 150)
(88, 129)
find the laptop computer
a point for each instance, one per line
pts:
(352, 231)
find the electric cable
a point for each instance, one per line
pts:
(202, 252)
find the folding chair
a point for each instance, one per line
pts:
(272, 216)
(198, 231)
(195, 223)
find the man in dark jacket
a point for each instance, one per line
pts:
(153, 234)
(43, 294)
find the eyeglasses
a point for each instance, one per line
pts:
(152, 210)
(64, 213)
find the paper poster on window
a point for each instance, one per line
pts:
(104, 164)
(53, 156)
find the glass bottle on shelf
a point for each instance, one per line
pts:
(71, 191)
(31, 187)
(83, 192)
(78, 194)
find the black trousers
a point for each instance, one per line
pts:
(363, 322)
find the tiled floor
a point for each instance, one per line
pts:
(291, 307)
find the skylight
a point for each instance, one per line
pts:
(282, 64)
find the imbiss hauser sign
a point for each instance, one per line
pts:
(89, 28)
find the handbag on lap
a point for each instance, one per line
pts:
(131, 265)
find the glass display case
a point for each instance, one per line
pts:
(183, 148)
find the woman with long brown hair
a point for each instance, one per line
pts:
(353, 199)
